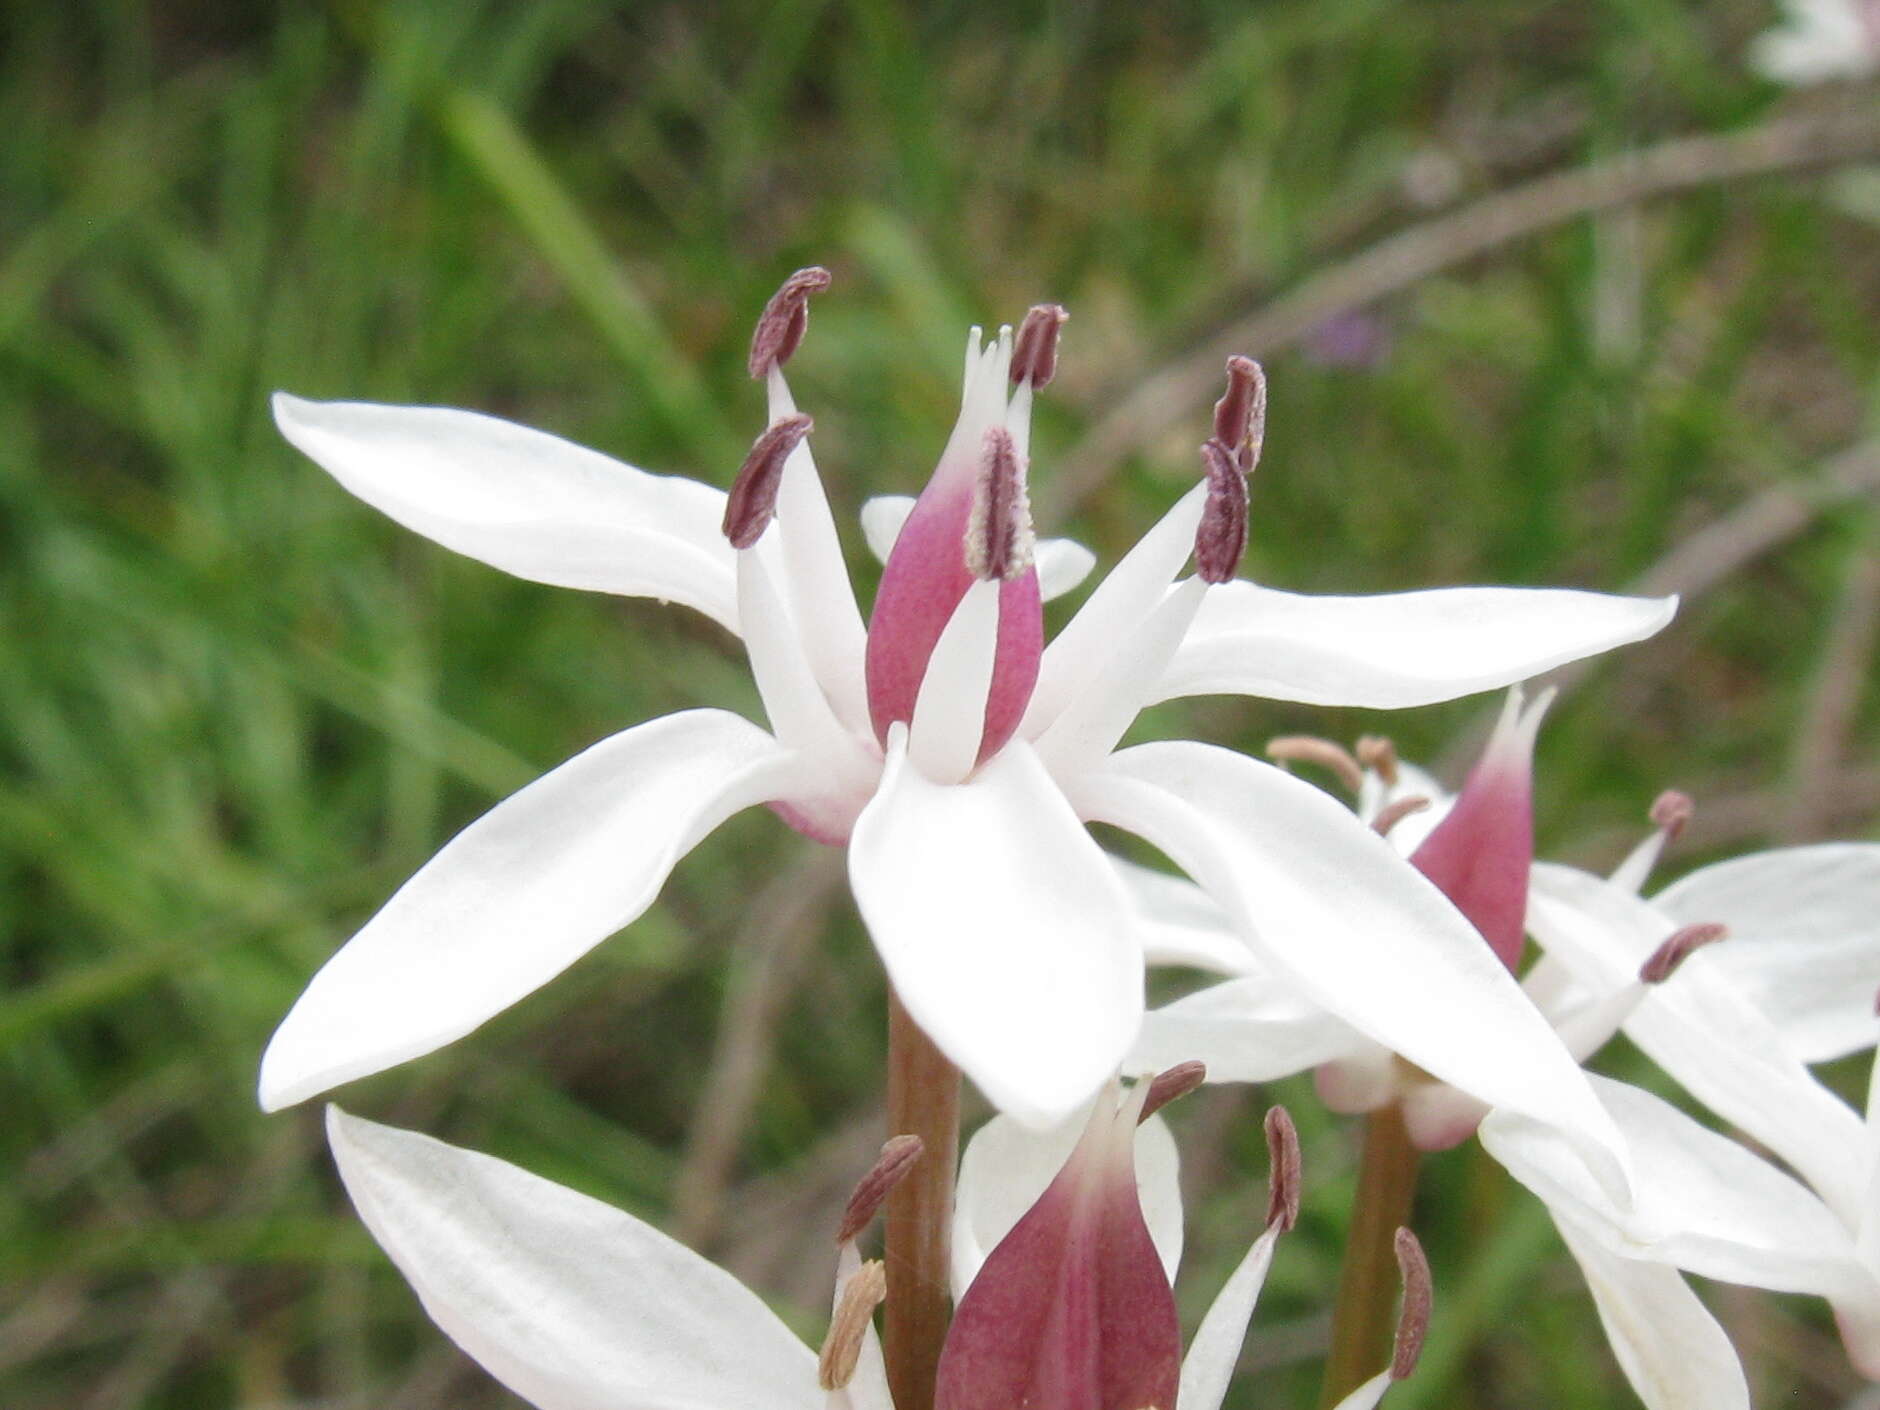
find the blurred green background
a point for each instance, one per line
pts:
(1548, 293)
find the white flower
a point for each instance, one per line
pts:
(956, 756)
(1735, 1023)
(575, 1305)
(1820, 40)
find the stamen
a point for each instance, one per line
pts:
(1221, 537)
(842, 1348)
(752, 502)
(1177, 1081)
(1677, 947)
(1393, 813)
(1310, 749)
(1240, 414)
(999, 537)
(1379, 755)
(1034, 354)
(781, 325)
(1282, 1181)
(1413, 1322)
(897, 1157)
(1672, 810)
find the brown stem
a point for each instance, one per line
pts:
(1365, 1314)
(924, 1101)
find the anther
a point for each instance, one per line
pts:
(897, 1157)
(1240, 414)
(753, 498)
(780, 326)
(1310, 749)
(1379, 755)
(1671, 810)
(1034, 351)
(1677, 947)
(1282, 1180)
(1177, 1081)
(1221, 537)
(1413, 1323)
(1395, 812)
(999, 538)
(842, 1348)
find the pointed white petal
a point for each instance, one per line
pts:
(519, 895)
(1092, 721)
(1179, 923)
(1396, 649)
(1701, 1030)
(568, 1302)
(1062, 563)
(1208, 1367)
(1007, 1166)
(794, 700)
(1128, 594)
(1673, 1352)
(524, 501)
(950, 712)
(1002, 928)
(822, 599)
(1703, 1202)
(1326, 901)
(1804, 941)
(1245, 1030)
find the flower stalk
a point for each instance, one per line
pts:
(1364, 1316)
(923, 1101)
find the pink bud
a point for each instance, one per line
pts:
(1072, 1310)
(1480, 855)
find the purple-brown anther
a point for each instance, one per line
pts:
(1413, 1323)
(1034, 351)
(898, 1155)
(1671, 810)
(1072, 1310)
(1310, 749)
(781, 325)
(1165, 1087)
(1221, 537)
(1282, 1180)
(1240, 414)
(1378, 754)
(752, 502)
(842, 1347)
(1396, 811)
(999, 537)
(1677, 947)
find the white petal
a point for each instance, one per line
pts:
(568, 1302)
(1245, 1030)
(1674, 1353)
(1007, 1166)
(1002, 927)
(1702, 1202)
(1325, 901)
(1700, 1030)
(1395, 649)
(1208, 1368)
(1061, 563)
(1093, 720)
(1804, 942)
(1438, 1116)
(1130, 591)
(822, 599)
(1367, 1396)
(524, 501)
(519, 895)
(950, 712)
(1179, 923)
